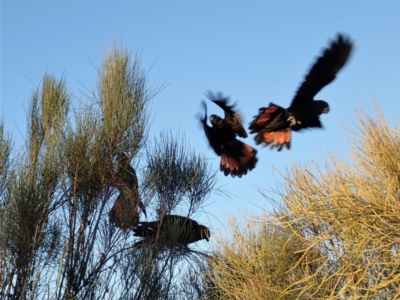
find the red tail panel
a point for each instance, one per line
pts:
(277, 138)
(230, 163)
(124, 215)
(248, 153)
(234, 167)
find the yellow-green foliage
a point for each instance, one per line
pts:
(338, 235)
(257, 262)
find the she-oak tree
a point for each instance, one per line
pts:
(58, 239)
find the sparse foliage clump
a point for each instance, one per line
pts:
(176, 176)
(335, 235)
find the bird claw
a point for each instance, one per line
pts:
(293, 121)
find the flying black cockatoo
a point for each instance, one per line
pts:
(124, 214)
(171, 230)
(236, 157)
(274, 124)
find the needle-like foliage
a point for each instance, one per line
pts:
(57, 191)
(179, 178)
(335, 234)
(5, 169)
(257, 260)
(349, 213)
(31, 235)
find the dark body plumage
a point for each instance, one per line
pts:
(274, 124)
(236, 157)
(171, 230)
(124, 214)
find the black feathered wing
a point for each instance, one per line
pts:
(231, 117)
(323, 71)
(171, 230)
(211, 134)
(307, 123)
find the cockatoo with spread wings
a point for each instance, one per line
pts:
(275, 124)
(237, 158)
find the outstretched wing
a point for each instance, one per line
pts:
(324, 70)
(231, 117)
(211, 134)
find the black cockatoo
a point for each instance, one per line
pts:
(236, 157)
(124, 214)
(274, 124)
(171, 230)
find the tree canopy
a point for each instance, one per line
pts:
(71, 195)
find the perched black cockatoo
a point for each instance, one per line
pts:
(274, 124)
(124, 214)
(171, 230)
(236, 157)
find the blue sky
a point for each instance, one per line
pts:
(254, 51)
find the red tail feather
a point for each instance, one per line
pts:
(235, 167)
(276, 139)
(248, 153)
(124, 214)
(230, 163)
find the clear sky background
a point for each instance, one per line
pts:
(254, 51)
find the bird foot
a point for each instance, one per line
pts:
(293, 121)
